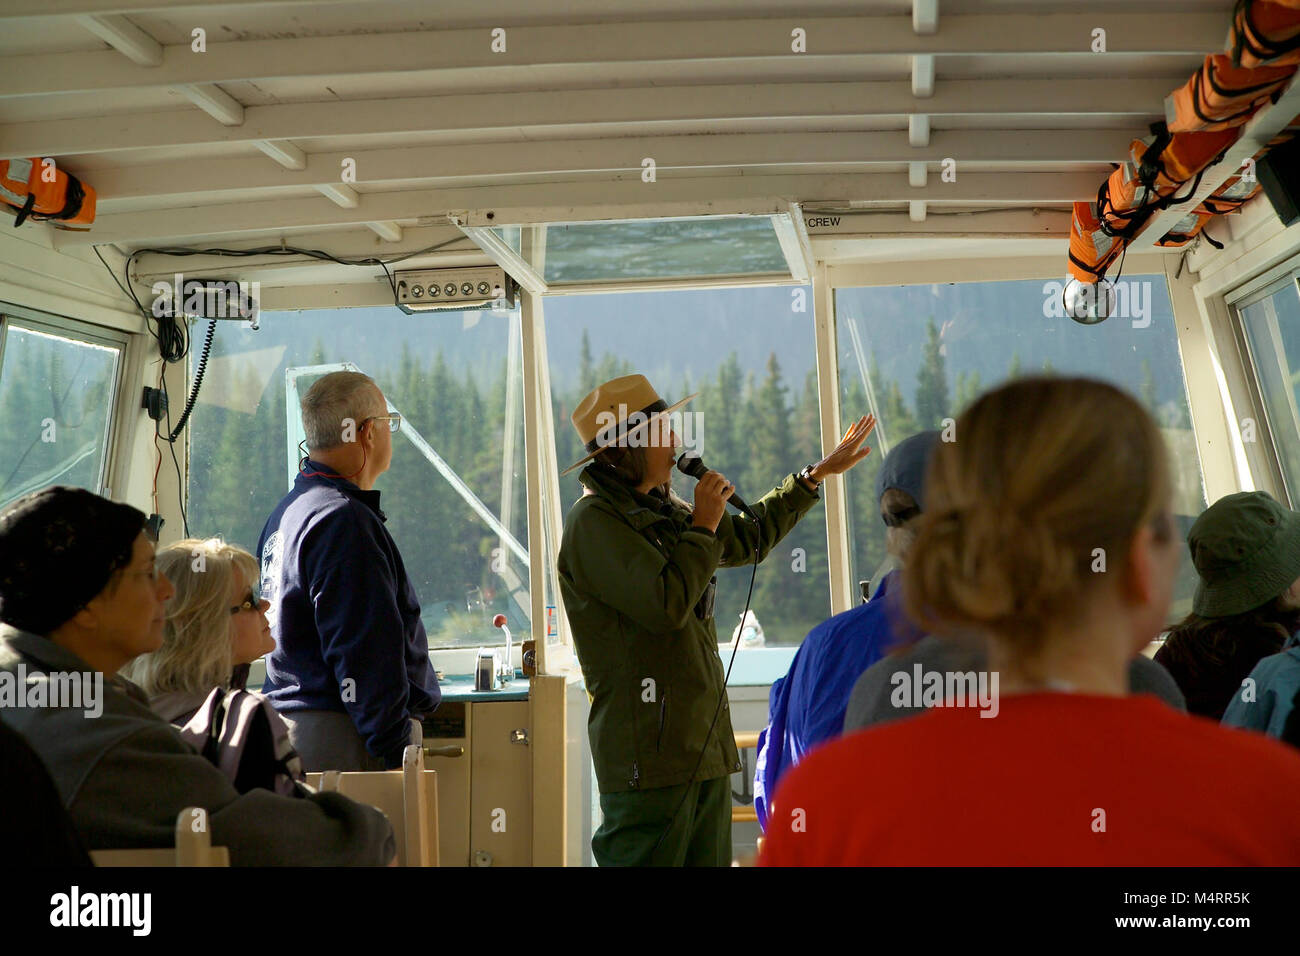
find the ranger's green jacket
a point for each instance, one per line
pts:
(632, 571)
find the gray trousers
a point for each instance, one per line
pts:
(328, 740)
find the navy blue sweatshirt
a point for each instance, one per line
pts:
(346, 620)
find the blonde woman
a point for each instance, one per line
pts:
(1048, 531)
(216, 626)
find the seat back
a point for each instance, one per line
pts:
(408, 797)
(193, 847)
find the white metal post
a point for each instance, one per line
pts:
(828, 393)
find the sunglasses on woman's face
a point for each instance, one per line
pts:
(251, 603)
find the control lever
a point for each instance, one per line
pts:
(507, 672)
(449, 750)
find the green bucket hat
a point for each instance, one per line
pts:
(1246, 548)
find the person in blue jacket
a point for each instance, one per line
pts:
(806, 707)
(350, 672)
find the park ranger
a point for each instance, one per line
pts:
(636, 568)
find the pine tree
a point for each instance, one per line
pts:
(807, 421)
(1014, 369)
(968, 389)
(932, 400)
(902, 422)
(768, 426)
(586, 373)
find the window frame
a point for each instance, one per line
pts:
(112, 464)
(1263, 286)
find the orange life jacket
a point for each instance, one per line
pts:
(1220, 95)
(1092, 249)
(1159, 167)
(1187, 229)
(40, 192)
(1265, 32)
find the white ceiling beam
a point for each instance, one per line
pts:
(1009, 223)
(925, 17)
(214, 101)
(283, 152)
(743, 42)
(186, 178)
(1259, 129)
(917, 174)
(918, 131)
(575, 201)
(923, 76)
(536, 111)
(915, 271)
(916, 210)
(357, 243)
(343, 196)
(388, 231)
(125, 37)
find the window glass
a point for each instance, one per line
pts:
(56, 401)
(1272, 326)
(454, 378)
(750, 354)
(655, 249)
(916, 355)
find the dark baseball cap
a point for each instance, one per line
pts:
(904, 466)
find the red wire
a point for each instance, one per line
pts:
(329, 474)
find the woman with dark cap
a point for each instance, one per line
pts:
(1246, 548)
(636, 569)
(80, 597)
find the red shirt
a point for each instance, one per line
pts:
(1053, 779)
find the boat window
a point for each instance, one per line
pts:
(1271, 322)
(624, 252)
(58, 385)
(916, 355)
(750, 354)
(454, 495)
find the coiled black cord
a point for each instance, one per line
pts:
(198, 381)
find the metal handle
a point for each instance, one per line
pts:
(450, 750)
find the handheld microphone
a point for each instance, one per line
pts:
(690, 463)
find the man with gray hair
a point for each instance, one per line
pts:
(350, 672)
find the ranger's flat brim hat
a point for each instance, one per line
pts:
(615, 412)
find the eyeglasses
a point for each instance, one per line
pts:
(394, 420)
(251, 603)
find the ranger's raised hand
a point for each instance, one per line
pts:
(846, 454)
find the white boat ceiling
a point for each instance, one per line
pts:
(243, 145)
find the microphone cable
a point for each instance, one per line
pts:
(735, 645)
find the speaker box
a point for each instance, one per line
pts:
(1279, 174)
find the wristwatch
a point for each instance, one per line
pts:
(806, 475)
